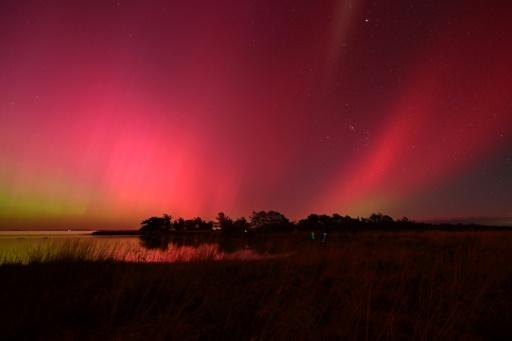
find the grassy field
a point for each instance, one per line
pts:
(373, 285)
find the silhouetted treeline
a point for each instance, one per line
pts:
(165, 223)
(273, 221)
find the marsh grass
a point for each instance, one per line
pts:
(55, 251)
(370, 286)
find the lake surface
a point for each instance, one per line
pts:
(27, 246)
(40, 246)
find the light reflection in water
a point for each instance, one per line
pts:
(182, 253)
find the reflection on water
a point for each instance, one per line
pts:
(26, 248)
(176, 253)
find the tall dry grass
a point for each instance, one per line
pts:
(386, 286)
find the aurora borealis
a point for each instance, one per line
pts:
(111, 111)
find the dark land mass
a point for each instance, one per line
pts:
(273, 221)
(369, 285)
(419, 227)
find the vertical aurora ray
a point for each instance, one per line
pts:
(113, 111)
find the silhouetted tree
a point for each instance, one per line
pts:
(224, 222)
(238, 226)
(269, 221)
(275, 221)
(379, 218)
(316, 222)
(179, 225)
(241, 224)
(156, 224)
(324, 222)
(197, 224)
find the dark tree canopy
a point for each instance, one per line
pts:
(224, 222)
(165, 224)
(269, 221)
(156, 224)
(273, 221)
(379, 218)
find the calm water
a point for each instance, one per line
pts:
(25, 246)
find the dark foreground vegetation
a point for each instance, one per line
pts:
(369, 285)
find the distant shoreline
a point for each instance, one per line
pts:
(116, 233)
(45, 232)
(441, 228)
(133, 232)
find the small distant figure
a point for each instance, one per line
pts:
(324, 237)
(313, 236)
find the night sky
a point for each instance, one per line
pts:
(112, 111)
